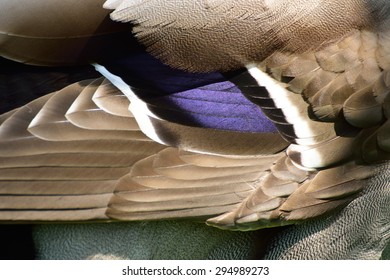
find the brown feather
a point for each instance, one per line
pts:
(111, 100)
(57, 33)
(86, 114)
(260, 28)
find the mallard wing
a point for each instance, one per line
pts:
(291, 103)
(328, 95)
(79, 154)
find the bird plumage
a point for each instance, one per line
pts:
(285, 120)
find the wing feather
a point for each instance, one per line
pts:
(53, 178)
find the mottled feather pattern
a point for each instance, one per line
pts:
(344, 84)
(266, 25)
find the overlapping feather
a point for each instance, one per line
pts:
(77, 154)
(81, 154)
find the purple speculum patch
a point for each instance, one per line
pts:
(206, 100)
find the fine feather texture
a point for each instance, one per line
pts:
(355, 239)
(179, 31)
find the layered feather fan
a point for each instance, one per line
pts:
(140, 145)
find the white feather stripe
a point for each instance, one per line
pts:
(292, 105)
(302, 123)
(137, 107)
(193, 138)
(112, 4)
(325, 154)
(116, 81)
(142, 114)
